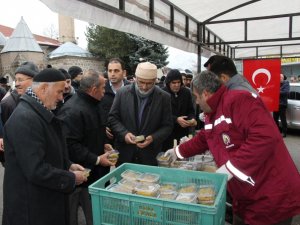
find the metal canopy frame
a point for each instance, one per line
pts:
(177, 24)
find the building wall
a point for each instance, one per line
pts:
(11, 60)
(85, 63)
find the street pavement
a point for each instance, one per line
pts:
(292, 142)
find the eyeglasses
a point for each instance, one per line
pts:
(22, 80)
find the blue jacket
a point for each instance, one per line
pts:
(284, 92)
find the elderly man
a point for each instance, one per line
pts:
(141, 109)
(23, 79)
(262, 179)
(85, 136)
(38, 174)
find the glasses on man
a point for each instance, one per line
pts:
(22, 80)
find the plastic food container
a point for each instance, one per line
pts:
(162, 160)
(139, 138)
(87, 172)
(119, 188)
(129, 184)
(113, 156)
(188, 166)
(149, 178)
(206, 194)
(168, 186)
(205, 163)
(187, 188)
(184, 197)
(146, 189)
(170, 195)
(131, 175)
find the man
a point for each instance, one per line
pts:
(85, 136)
(183, 75)
(3, 83)
(283, 102)
(3, 87)
(36, 177)
(139, 109)
(188, 78)
(183, 112)
(226, 70)
(240, 132)
(23, 79)
(76, 75)
(116, 79)
(69, 91)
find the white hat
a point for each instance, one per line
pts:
(146, 70)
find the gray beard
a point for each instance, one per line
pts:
(143, 94)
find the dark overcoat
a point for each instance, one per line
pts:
(156, 121)
(36, 179)
(182, 105)
(84, 130)
(108, 99)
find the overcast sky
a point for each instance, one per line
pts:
(40, 18)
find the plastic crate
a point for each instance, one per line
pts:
(113, 208)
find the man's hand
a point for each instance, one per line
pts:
(79, 173)
(80, 177)
(181, 120)
(130, 138)
(104, 161)
(144, 144)
(76, 167)
(1, 145)
(108, 147)
(109, 133)
(172, 154)
(192, 122)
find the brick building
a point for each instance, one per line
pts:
(19, 45)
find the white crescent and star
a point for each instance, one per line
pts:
(261, 71)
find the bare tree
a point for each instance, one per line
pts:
(51, 31)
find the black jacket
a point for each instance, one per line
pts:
(156, 121)
(108, 99)
(8, 105)
(284, 92)
(182, 105)
(85, 133)
(36, 177)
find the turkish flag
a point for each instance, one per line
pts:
(264, 76)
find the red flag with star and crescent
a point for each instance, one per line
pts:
(264, 76)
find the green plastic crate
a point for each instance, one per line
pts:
(113, 208)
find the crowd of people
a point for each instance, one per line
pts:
(59, 124)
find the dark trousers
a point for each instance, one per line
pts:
(281, 113)
(238, 221)
(80, 197)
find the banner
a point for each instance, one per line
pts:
(264, 76)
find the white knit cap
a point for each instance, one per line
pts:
(146, 70)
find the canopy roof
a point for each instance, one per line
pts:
(21, 40)
(69, 49)
(237, 28)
